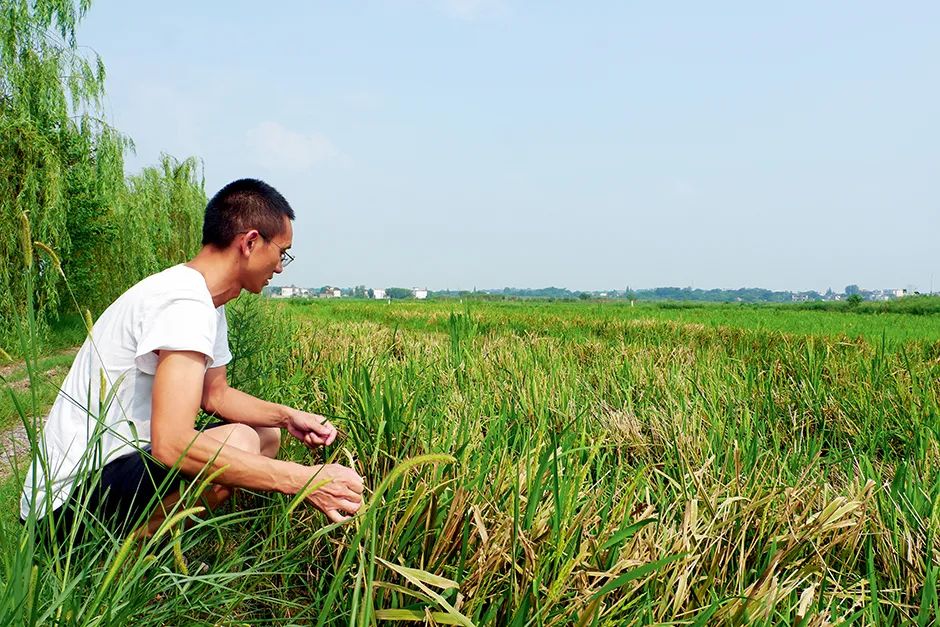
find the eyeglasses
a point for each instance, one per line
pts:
(286, 257)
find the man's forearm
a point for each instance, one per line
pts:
(237, 406)
(198, 452)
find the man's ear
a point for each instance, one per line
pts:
(249, 241)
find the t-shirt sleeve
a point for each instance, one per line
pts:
(181, 323)
(221, 354)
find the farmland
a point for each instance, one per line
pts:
(526, 463)
(562, 463)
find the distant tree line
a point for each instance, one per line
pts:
(745, 295)
(556, 293)
(853, 294)
(748, 295)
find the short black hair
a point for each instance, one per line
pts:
(243, 205)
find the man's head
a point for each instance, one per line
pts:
(252, 220)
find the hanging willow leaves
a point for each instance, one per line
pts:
(63, 168)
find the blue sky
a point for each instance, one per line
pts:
(596, 145)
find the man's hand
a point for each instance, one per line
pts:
(342, 494)
(311, 429)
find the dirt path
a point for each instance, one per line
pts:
(14, 445)
(14, 450)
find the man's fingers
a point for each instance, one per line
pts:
(315, 439)
(349, 506)
(345, 489)
(312, 429)
(335, 516)
(327, 433)
(342, 493)
(337, 491)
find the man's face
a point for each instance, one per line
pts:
(265, 258)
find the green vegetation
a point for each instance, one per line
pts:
(50, 371)
(635, 468)
(398, 293)
(559, 463)
(62, 180)
(531, 463)
(897, 322)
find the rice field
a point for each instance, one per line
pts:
(558, 464)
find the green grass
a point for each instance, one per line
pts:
(10, 488)
(610, 465)
(61, 334)
(755, 422)
(870, 321)
(50, 372)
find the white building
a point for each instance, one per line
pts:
(378, 293)
(289, 291)
(419, 292)
(330, 292)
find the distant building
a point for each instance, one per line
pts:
(330, 292)
(378, 293)
(289, 291)
(900, 293)
(419, 292)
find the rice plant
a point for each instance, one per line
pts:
(612, 470)
(554, 466)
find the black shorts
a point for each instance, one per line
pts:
(122, 496)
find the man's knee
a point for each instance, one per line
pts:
(270, 440)
(244, 437)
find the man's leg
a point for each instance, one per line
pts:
(270, 440)
(259, 440)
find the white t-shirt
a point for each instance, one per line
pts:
(111, 379)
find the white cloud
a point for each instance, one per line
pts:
(276, 147)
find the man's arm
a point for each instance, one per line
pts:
(177, 392)
(236, 406)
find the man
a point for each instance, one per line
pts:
(124, 421)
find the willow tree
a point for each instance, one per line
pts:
(49, 131)
(159, 220)
(62, 176)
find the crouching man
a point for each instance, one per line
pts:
(123, 423)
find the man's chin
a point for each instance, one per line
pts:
(257, 289)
